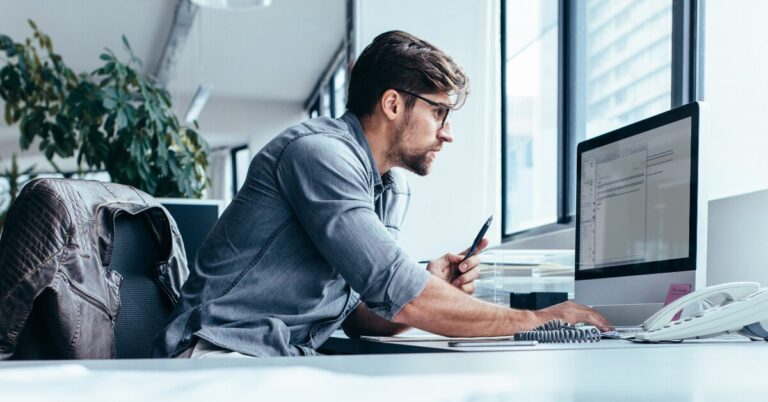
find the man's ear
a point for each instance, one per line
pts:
(391, 104)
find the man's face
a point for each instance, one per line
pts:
(421, 134)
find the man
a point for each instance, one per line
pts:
(308, 244)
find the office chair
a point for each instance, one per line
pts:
(87, 270)
(143, 306)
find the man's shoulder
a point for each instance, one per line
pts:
(327, 125)
(323, 131)
(321, 138)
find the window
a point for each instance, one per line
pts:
(573, 70)
(530, 93)
(241, 160)
(626, 64)
(314, 110)
(330, 95)
(325, 101)
(340, 90)
(5, 196)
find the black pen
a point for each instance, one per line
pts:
(478, 238)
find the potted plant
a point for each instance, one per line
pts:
(113, 118)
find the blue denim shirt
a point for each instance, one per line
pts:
(311, 233)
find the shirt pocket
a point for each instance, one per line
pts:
(392, 207)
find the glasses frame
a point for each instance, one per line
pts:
(431, 102)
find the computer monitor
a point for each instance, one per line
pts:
(195, 219)
(640, 215)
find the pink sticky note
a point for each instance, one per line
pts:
(676, 291)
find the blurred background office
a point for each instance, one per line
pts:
(545, 74)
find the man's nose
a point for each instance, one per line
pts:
(444, 133)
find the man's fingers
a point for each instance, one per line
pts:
(467, 277)
(469, 288)
(453, 258)
(470, 263)
(573, 312)
(593, 317)
(601, 322)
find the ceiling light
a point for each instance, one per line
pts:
(197, 104)
(232, 4)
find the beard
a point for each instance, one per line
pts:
(416, 160)
(413, 159)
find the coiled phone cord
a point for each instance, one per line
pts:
(558, 331)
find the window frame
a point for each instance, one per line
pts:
(233, 161)
(686, 86)
(325, 84)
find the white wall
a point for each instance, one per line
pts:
(736, 88)
(233, 121)
(449, 205)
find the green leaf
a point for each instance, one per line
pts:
(46, 41)
(12, 51)
(10, 80)
(49, 151)
(5, 42)
(30, 126)
(121, 119)
(9, 113)
(109, 103)
(126, 44)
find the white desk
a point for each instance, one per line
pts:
(711, 372)
(340, 344)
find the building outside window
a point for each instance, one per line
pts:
(613, 68)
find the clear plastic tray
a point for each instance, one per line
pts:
(524, 271)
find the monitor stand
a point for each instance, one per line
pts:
(628, 315)
(630, 300)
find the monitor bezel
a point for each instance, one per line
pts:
(691, 110)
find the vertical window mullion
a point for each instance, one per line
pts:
(504, 122)
(686, 66)
(233, 162)
(680, 52)
(332, 95)
(564, 135)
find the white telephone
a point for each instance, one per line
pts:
(745, 303)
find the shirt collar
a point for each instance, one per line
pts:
(357, 130)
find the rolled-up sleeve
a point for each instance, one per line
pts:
(325, 180)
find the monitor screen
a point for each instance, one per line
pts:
(636, 198)
(195, 219)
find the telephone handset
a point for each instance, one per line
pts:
(744, 303)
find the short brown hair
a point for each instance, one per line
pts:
(399, 60)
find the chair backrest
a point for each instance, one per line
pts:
(143, 305)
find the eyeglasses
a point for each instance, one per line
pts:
(443, 108)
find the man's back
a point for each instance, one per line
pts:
(270, 279)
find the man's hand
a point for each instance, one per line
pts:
(459, 274)
(573, 313)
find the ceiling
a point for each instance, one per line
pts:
(275, 53)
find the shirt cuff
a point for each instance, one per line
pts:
(406, 283)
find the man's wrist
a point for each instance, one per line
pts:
(525, 319)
